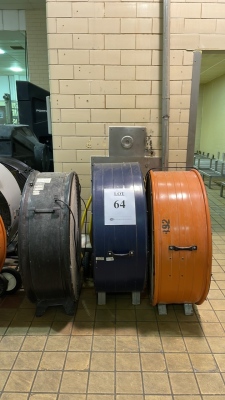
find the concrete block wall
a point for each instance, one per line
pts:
(37, 47)
(105, 69)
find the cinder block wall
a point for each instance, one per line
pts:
(105, 69)
(37, 47)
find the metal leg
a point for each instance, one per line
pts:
(188, 309)
(210, 181)
(162, 310)
(101, 298)
(136, 298)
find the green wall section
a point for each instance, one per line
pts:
(211, 113)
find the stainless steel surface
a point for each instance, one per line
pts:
(162, 309)
(193, 108)
(136, 298)
(188, 309)
(101, 298)
(146, 163)
(165, 83)
(127, 140)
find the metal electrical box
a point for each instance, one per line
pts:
(127, 141)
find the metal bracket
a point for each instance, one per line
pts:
(101, 298)
(188, 309)
(162, 309)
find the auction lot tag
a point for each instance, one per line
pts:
(119, 207)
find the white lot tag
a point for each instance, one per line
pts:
(119, 207)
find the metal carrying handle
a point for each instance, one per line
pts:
(177, 248)
(129, 254)
(44, 210)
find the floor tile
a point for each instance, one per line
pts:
(207, 316)
(74, 382)
(11, 396)
(149, 328)
(47, 381)
(213, 329)
(102, 361)
(11, 343)
(169, 328)
(3, 378)
(82, 328)
(27, 360)
(20, 381)
(104, 328)
(34, 343)
(197, 345)
(43, 396)
(191, 329)
(72, 396)
(183, 383)
(128, 362)
(17, 328)
(77, 361)
(203, 363)
(125, 315)
(156, 383)
(52, 360)
(178, 362)
(173, 344)
(129, 382)
(40, 328)
(57, 343)
(211, 383)
(145, 315)
(100, 397)
(61, 328)
(216, 344)
(105, 315)
(150, 344)
(101, 382)
(104, 343)
(87, 315)
(153, 362)
(127, 344)
(7, 359)
(126, 328)
(80, 343)
(220, 360)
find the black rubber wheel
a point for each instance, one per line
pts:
(13, 278)
(3, 285)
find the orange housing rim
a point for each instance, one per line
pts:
(181, 218)
(3, 243)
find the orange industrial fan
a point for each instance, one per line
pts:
(180, 231)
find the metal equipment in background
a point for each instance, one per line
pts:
(180, 238)
(119, 229)
(19, 142)
(49, 243)
(35, 111)
(129, 144)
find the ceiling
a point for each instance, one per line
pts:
(13, 57)
(22, 4)
(212, 65)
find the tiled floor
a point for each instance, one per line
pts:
(118, 351)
